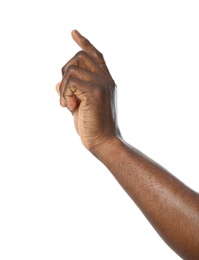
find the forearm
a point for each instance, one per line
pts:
(170, 206)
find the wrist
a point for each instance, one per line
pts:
(108, 148)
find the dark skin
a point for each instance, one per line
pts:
(89, 92)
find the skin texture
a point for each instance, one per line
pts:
(89, 92)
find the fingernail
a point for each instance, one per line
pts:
(77, 33)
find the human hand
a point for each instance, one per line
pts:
(89, 92)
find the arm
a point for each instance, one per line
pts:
(170, 206)
(88, 91)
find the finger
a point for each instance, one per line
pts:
(57, 87)
(71, 102)
(71, 95)
(78, 73)
(62, 101)
(77, 91)
(90, 49)
(84, 61)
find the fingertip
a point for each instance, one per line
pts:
(75, 33)
(63, 102)
(57, 87)
(76, 36)
(70, 102)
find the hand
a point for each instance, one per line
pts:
(88, 91)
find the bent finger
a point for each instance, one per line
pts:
(77, 91)
(84, 61)
(77, 72)
(62, 101)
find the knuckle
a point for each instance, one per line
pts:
(63, 70)
(70, 86)
(71, 69)
(81, 54)
(97, 54)
(113, 84)
(100, 55)
(99, 92)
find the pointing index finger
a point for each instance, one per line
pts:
(90, 49)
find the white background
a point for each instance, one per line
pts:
(56, 200)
